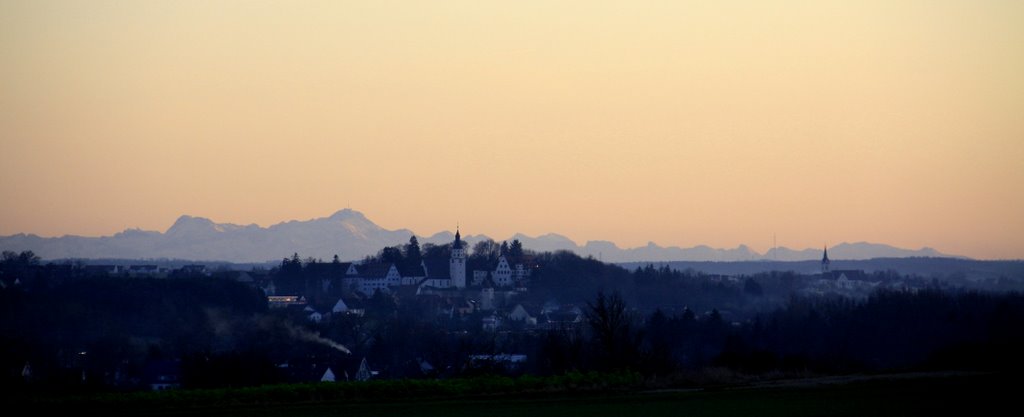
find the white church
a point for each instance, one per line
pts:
(434, 274)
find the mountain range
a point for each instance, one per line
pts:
(349, 234)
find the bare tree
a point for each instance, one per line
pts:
(613, 330)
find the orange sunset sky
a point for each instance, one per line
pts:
(677, 122)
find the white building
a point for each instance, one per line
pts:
(376, 277)
(479, 277)
(520, 274)
(457, 265)
(413, 275)
(502, 274)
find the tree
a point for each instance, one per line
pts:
(485, 250)
(515, 251)
(715, 318)
(660, 335)
(688, 316)
(24, 259)
(504, 248)
(391, 254)
(413, 256)
(291, 267)
(432, 251)
(20, 265)
(752, 287)
(612, 327)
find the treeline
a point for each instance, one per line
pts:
(102, 332)
(888, 331)
(928, 329)
(567, 277)
(483, 255)
(63, 329)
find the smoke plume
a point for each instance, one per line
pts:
(303, 334)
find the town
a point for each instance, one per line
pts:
(436, 311)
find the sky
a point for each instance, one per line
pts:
(677, 122)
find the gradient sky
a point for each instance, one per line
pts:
(678, 122)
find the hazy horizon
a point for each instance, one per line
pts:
(680, 123)
(356, 224)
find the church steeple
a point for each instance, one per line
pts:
(825, 262)
(457, 263)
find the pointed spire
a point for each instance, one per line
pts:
(824, 261)
(458, 238)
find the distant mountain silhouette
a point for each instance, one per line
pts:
(349, 234)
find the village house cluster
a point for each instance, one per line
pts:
(342, 287)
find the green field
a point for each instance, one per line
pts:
(929, 395)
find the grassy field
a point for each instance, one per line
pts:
(916, 395)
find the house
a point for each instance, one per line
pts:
(282, 301)
(269, 288)
(426, 369)
(491, 323)
(852, 275)
(722, 278)
(148, 270)
(348, 307)
(350, 269)
(364, 373)
(846, 282)
(310, 371)
(412, 275)
(502, 361)
(520, 273)
(438, 274)
(194, 269)
(244, 277)
(502, 275)
(479, 277)
(26, 372)
(162, 375)
(853, 280)
(101, 270)
(313, 315)
(340, 307)
(429, 286)
(328, 376)
(564, 317)
(519, 313)
(350, 278)
(377, 277)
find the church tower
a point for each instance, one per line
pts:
(825, 262)
(457, 264)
